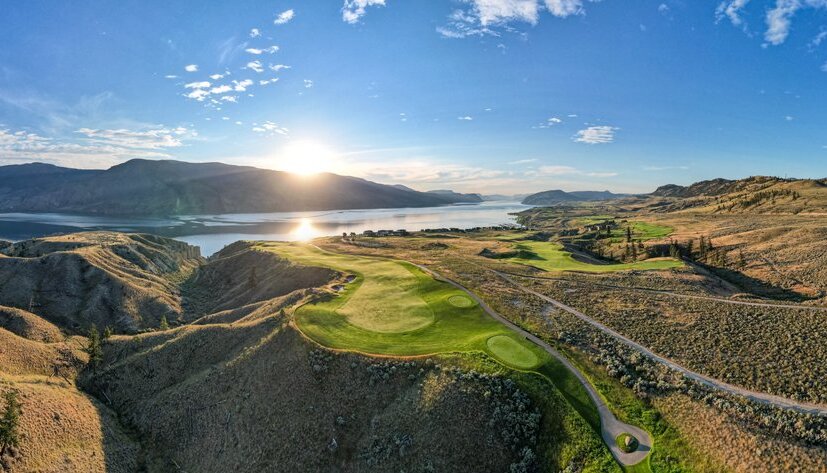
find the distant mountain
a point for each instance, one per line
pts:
(458, 197)
(557, 196)
(146, 187)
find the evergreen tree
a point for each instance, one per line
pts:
(10, 422)
(93, 348)
(634, 252)
(628, 234)
(163, 325)
(742, 262)
(107, 332)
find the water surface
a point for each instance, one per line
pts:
(213, 232)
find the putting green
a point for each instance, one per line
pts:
(551, 257)
(512, 352)
(461, 301)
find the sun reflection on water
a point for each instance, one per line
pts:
(305, 230)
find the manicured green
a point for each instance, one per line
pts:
(512, 352)
(551, 256)
(622, 440)
(460, 301)
(349, 321)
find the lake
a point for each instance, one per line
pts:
(213, 232)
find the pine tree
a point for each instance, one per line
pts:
(9, 423)
(163, 325)
(628, 234)
(93, 348)
(634, 252)
(690, 248)
(107, 332)
(702, 248)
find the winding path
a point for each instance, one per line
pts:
(610, 426)
(760, 397)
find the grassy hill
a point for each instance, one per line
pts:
(126, 282)
(240, 388)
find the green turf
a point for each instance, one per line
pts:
(335, 322)
(550, 256)
(461, 301)
(512, 352)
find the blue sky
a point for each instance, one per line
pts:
(506, 96)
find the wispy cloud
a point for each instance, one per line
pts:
(270, 128)
(308, 83)
(550, 122)
(466, 118)
(191, 68)
(596, 135)
(353, 10)
(255, 33)
(523, 161)
(284, 17)
(778, 19)
(489, 16)
(255, 66)
(93, 148)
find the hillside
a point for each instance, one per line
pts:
(241, 389)
(126, 282)
(755, 195)
(145, 187)
(554, 197)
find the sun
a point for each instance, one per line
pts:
(306, 158)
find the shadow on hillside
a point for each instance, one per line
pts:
(755, 286)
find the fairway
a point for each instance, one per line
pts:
(550, 256)
(395, 308)
(511, 352)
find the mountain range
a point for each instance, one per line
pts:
(142, 187)
(557, 196)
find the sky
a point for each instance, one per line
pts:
(489, 96)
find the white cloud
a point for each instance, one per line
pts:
(523, 161)
(824, 67)
(308, 83)
(353, 10)
(255, 65)
(284, 17)
(221, 89)
(255, 33)
(241, 86)
(487, 16)
(271, 128)
(596, 135)
(170, 76)
(268, 81)
(91, 148)
(277, 67)
(564, 8)
(789, 118)
(466, 118)
(191, 68)
(731, 9)
(778, 19)
(217, 76)
(253, 51)
(197, 85)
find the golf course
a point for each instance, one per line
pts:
(550, 256)
(394, 308)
